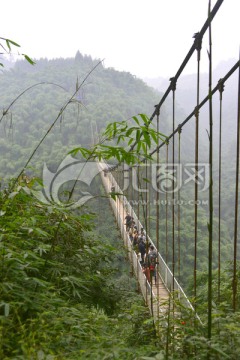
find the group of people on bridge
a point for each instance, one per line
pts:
(146, 251)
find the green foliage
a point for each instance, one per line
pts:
(61, 290)
(106, 95)
(122, 133)
(48, 261)
(9, 43)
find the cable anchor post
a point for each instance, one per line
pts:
(173, 84)
(179, 129)
(157, 111)
(196, 112)
(221, 86)
(198, 44)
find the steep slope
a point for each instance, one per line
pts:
(104, 96)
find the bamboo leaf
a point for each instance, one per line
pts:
(41, 232)
(29, 59)
(8, 44)
(136, 119)
(130, 141)
(138, 135)
(144, 147)
(147, 138)
(145, 119)
(12, 42)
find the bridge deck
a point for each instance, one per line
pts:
(159, 289)
(155, 294)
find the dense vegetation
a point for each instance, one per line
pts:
(105, 96)
(65, 286)
(65, 289)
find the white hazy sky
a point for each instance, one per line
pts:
(148, 38)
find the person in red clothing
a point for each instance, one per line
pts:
(146, 272)
(151, 261)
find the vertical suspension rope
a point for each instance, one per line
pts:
(179, 206)
(221, 89)
(166, 201)
(198, 45)
(149, 200)
(173, 87)
(210, 224)
(140, 199)
(117, 198)
(121, 196)
(157, 214)
(123, 183)
(148, 230)
(145, 211)
(128, 171)
(133, 190)
(146, 201)
(236, 202)
(173, 84)
(138, 192)
(130, 189)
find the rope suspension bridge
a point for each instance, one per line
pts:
(155, 192)
(165, 280)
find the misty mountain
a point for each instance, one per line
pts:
(186, 97)
(37, 94)
(186, 92)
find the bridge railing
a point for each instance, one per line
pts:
(121, 203)
(145, 287)
(164, 272)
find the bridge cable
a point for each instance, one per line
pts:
(221, 89)
(138, 203)
(231, 71)
(210, 224)
(166, 207)
(202, 103)
(157, 220)
(128, 196)
(190, 53)
(236, 201)
(198, 43)
(147, 222)
(148, 202)
(173, 88)
(144, 212)
(179, 207)
(184, 63)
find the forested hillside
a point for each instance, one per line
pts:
(105, 96)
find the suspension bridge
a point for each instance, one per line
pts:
(160, 290)
(162, 212)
